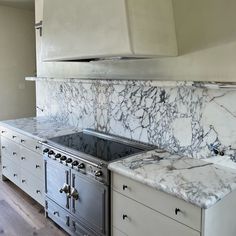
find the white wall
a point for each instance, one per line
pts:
(17, 60)
(206, 33)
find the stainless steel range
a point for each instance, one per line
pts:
(77, 180)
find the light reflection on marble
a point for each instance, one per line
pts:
(195, 181)
(38, 127)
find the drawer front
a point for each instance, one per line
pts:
(133, 218)
(30, 143)
(10, 134)
(159, 201)
(32, 186)
(11, 170)
(10, 149)
(116, 232)
(32, 162)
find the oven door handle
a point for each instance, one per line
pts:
(74, 193)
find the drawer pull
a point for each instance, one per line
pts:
(3, 147)
(37, 147)
(22, 158)
(125, 187)
(38, 191)
(22, 140)
(23, 180)
(13, 136)
(4, 167)
(124, 217)
(177, 210)
(14, 153)
(56, 213)
(3, 131)
(37, 166)
(14, 175)
(68, 221)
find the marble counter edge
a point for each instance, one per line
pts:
(152, 82)
(139, 178)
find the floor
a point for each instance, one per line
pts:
(20, 215)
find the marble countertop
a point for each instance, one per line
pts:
(40, 128)
(195, 181)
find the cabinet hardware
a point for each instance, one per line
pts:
(124, 217)
(74, 226)
(4, 167)
(23, 180)
(22, 140)
(74, 193)
(14, 153)
(37, 147)
(65, 189)
(37, 166)
(22, 158)
(14, 175)
(3, 147)
(13, 136)
(56, 213)
(125, 187)
(38, 191)
(3, 131)
(177, 210)
(39, 26)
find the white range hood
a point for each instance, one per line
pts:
(107, 29)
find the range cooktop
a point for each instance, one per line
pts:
(104, 147)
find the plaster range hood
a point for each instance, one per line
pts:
(91, 30)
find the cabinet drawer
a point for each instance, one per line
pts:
(33, 186)
(32, 162)
(30, 143)
(10, 149)
(159, 201)
(136, 219)
(116, 232)
(11, 170)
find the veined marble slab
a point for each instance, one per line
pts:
(195, 181)
(38, 127)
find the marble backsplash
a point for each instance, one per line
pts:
(188, 120)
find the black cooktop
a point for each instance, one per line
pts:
(99, 147)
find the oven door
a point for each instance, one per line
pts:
(89, 202)
(57, 182)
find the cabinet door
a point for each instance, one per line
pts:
(84, 29)
(57, 182)
(91, 204)
(133, 218)
(10, 150)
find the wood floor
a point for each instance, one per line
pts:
(20, 214)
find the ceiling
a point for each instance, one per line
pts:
(23, 4)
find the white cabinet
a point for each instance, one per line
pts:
(140, 210)
(108, 28)
(22, 163)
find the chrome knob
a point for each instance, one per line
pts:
(58, 155)
(75, 163)
(81, 166)
(51, 152)
(63, 158)
(98, 173)
(69, 160)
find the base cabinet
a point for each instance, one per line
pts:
(139, 210)
(22, 163)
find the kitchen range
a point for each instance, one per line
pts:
(77, 180)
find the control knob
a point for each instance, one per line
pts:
(98, 173)
(58, 155)
(51, 152)
(45, 150)
(69, 160)
(63, 158)
(75, 163)
(81, 165)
